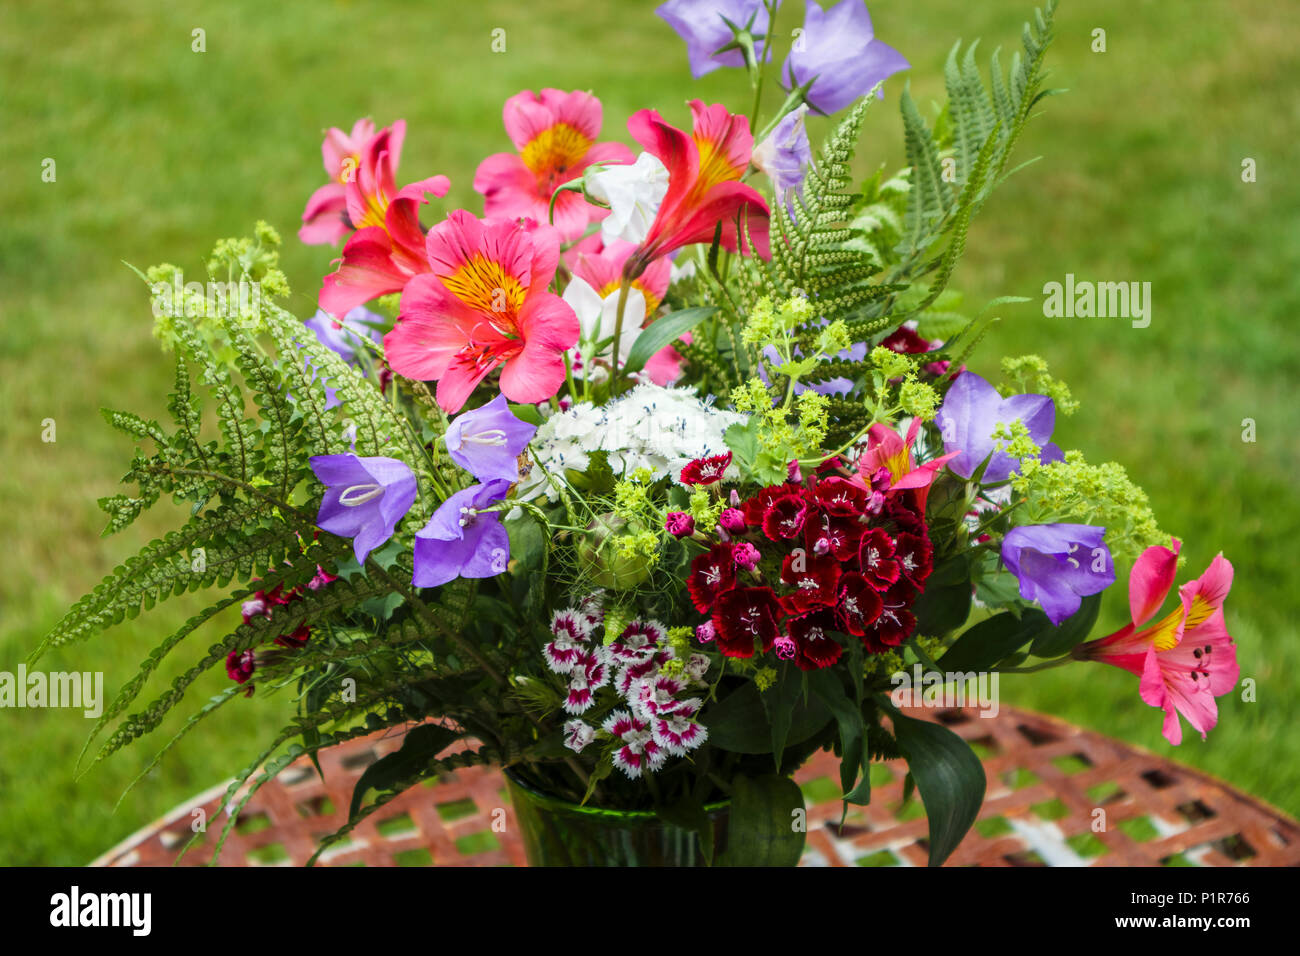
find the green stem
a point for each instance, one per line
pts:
(624, 287)
(568, 377)
(1045, 665)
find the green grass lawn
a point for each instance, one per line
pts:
(161, 150)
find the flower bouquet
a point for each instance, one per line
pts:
(656, 478)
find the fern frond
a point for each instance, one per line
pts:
(340, 595)
(230, 541)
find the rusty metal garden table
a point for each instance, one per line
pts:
(1057, 796)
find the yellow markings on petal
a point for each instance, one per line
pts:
(1200, 612)
(651, 300)
(1164, 634)
(899, 464)
(486, 287)
(375, 214)
(556, 150)
(348, 169)
(715, 167)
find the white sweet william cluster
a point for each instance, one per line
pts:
(651, 426)
(657, 721)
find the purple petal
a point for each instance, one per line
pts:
(487, 441)
(700, 23)
(343, 469)
(839, 53)
(966, 420)
(1058, 564)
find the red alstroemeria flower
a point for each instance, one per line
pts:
(745, 617)
(815, 648)
(484, 305)
(813, 579)
(555, 133)
(706, 471)
(859, 604)
(325, 220)
(915, 558)
(877, 555)
(885, 449)
(388, 248)
(1187, 658)
(895, 622)
(704, 187)
(712, 573)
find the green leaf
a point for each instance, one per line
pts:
(742, 439)
(739, 722)
(662, 332)
(527, 413)
(421, 746)
(949, 776)
(779, 702)
(1073, 630)
(983, 645)
(762, 829)
(941, 610)
(826, 685)
(997, 591)
(527, 544)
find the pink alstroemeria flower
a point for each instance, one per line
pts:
(325, 220)
(885, 449)
(555, 133)
(484, 304)
(704, 187)
(1187, 658)
(600, 263)
(388, 247)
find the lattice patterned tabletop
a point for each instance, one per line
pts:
(1057, 796)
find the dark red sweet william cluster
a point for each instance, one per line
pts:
(241, 665)
(800, 560)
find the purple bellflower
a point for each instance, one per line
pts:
(785, 156)
(838, 57)
(488, 440)
(706, 26)
(458, 542)
(364, 498)
(972, 410)
(343, 339)
(1058, 565)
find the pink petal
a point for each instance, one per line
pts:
(1212, 587)
(537, 372)
(323, 219)
(1151, 578)
(459, 382)
(366, 272)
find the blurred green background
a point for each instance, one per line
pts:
(161, 150)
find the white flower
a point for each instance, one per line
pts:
(653, 427)
(633, 194)
(597, 318)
